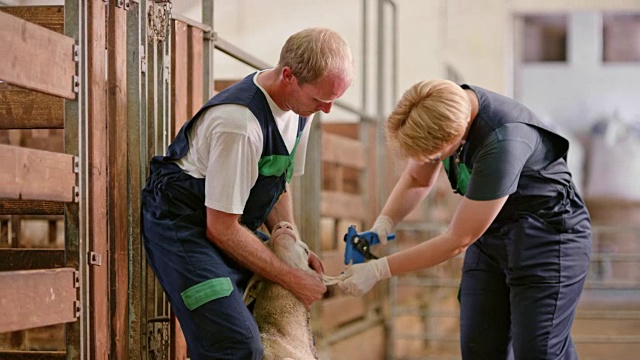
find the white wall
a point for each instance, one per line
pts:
(474, 37)
(584, 90)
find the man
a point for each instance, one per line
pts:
(225, 175)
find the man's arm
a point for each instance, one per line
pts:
(282, 211)
(224, 230)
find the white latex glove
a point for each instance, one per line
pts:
(383, 226)
(359, 279)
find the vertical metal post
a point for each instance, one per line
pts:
(380, 113)
(207, 51)
(136, 167)
(75, 143)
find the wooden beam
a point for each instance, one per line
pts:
(342, 205)
(37, 298)
(31, 259)
(195, 71)
(343, 151)
(36, 174)
(340, 310)
(98, 308)
(117, 183)
(50, 17)
(25, 109)
(30, 207)
(32, 355)
(28, 52)
(179, 77)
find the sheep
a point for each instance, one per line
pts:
(283, 320)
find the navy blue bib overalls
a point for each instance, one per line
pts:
(204, 286)
(522, 279)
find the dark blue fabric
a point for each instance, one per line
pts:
(267, 189)
(173, 230)
(174, 234)
(522, 279)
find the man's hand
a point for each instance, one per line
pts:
(359, 279)
(306, 287)
(315, 263)
(383, 226)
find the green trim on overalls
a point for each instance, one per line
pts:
(206, 291)
(276, 165)
(463, 175)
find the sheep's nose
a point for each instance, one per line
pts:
(283, 224)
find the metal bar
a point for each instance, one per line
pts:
(137, 160)
(75, 144)
(207, 51)
(191, 22)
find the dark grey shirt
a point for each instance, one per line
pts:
(507, 152)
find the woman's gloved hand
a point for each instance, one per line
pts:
(359, 279)
(383, 226)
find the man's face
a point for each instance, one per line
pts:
(311, 98)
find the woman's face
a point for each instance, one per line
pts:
(444, 153)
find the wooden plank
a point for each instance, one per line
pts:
(30, 207)
(25, 109)
(368, 344)
(179, 77)
(50, 17)
(31, 259)
(28, 52)
(333, 261)
(36, 174)
(36, 298)
(98, 308)
(340, 310)
(350, 130)
(117, 182)
(342, 150)
(32, 355)
(342, 205)
(195, 71)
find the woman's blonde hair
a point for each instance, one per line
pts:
(429, 116)
(315, 52)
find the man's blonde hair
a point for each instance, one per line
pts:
(429, 116)
(315, 52)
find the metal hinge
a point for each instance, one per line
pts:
(119, 3)
(127, 4)
(76, 84)
(76, 165)
(76, 59)
(95, 258)
(77, 308)
(143, 60)
(76, 279)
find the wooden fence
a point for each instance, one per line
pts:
(39, 177)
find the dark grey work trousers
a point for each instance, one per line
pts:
(520, 289)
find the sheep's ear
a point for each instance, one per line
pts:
(252, 290)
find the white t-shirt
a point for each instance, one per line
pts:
(225, 145)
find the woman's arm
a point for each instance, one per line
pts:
(413, 186)
(470, 221)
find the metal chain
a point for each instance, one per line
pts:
(158, 21)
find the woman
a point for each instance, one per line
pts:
(525, 229)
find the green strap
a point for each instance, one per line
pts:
(206, 291)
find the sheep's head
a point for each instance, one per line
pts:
(288, 247)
